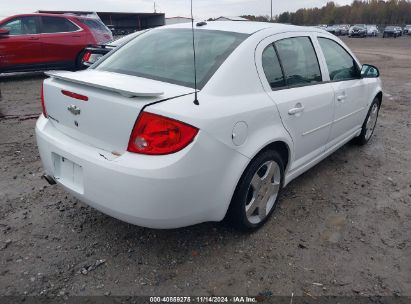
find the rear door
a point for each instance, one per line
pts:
(21, 49)
(350, 90)
(62, 40)
(295, 84)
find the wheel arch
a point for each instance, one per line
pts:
(379, 96)
(282, 148)
(78, 59)
(271, 136)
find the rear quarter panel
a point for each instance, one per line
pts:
(88, 36)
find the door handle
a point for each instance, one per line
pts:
(298, 109)
(342, 98)
(34, 38)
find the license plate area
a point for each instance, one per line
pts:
(68, 173)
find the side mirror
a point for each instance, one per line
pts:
(4, 32)
(369, 71)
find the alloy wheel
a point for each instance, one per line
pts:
(262, 192)
(371, 122)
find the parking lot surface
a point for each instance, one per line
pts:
(342, 228)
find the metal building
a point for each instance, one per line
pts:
(231, 18)
(176, 20)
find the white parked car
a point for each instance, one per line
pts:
(372, 30)
(128, 138)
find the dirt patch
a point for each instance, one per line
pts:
(343, 228)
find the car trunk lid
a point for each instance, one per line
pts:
(100, 108)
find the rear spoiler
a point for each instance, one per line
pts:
(114, 82)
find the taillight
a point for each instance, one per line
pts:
(158, 135)
(86, 57)
(43, 106)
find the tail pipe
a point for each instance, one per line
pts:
(50, 179)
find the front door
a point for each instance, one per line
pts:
(350, 90)
(21, 49)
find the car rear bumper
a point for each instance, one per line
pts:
(358, 34)
(192, 186)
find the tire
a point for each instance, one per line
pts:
(369, 124)
(257, 193)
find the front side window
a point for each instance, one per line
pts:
(272, 68)
(299, 61)
(21, 26)
(167, 55)
(57, 25)
(341, 66)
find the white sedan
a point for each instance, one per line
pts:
(129, 138)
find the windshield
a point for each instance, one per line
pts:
(167, 55)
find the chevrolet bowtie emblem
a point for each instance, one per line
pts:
(75, 110)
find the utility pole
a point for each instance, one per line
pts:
(155, 11)
(271, 11)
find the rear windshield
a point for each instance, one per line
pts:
(94, 24)
(125, 39)
(167, 55)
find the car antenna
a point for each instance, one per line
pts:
(194, 52)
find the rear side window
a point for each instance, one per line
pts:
(341, 66)
(94, 24)
(57, 25)
(167, 55)
(272, 68)
(299, 61)
(21, 26)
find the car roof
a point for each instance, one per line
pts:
(47, 15)
(244, 27)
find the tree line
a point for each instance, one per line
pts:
(395, 12)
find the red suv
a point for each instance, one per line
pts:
(33, 42)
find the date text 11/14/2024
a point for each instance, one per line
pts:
(204, 299)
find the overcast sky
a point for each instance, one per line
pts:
(202, 8)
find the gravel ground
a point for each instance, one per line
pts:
(343, 228)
